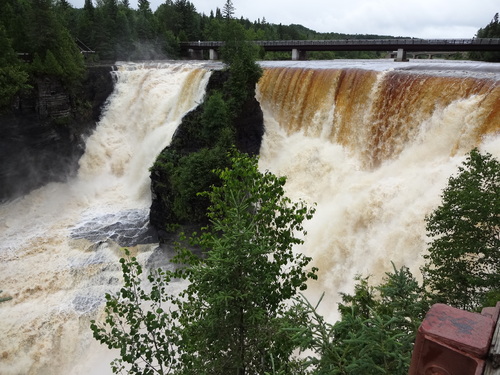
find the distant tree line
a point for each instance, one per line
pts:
(492, 30)
(42, 37)
(45, 37)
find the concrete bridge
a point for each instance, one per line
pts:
(299, 48)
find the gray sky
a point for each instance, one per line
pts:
(412, 18)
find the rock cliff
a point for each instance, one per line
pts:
(43, 136)
(248, 127)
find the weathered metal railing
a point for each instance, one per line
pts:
(475, 44)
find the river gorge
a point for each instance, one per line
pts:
(371, 142)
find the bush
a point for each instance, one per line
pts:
(463, 264)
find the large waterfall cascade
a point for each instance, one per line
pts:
(373, 143)
(58, 279)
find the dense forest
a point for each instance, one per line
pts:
(115, 31)
(51, 38)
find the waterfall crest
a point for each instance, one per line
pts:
(376, 114)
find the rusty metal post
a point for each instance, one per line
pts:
(451, 341)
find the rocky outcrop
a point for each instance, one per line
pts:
(42, 138)
(249, 129)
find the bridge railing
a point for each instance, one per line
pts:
(337, 42)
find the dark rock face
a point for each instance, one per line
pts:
(249, 129)
(43, 137)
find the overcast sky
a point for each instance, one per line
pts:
(412, 18)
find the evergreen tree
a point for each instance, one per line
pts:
(144, 6)
(168, 18)
(189, 20)
(13, 16)
(106, 40)
(66, 15)
(51, 66)
(145, 21)
(13, 77)
(463, 266)
(53, 44)
(218, 13)
(376, 330)
(228, 10)
(44, 27)
(492, 30)
(125, 40)
(87, 24)
(235, 303)
(241, 56)
(170, 45)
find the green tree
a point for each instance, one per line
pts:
(13, 77)
(145, 21)
(216, 122)
(168, 17)
(229, 318)
(235, 303)
(228, 10)
(86, 28)
(241, 56)
(13, 15)
(125, 40)
(189, 20)
(492, 30)
(463, 263)
(106, 21)
(146, 338)
(170, 45)
(53, 44)
(70, 58)
(51, 66)
(194, 173)
(376, 330)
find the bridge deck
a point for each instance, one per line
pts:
(410, 45)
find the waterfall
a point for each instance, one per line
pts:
(55, 260)
(373, 146)
(371, 143)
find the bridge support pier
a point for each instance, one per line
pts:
(401, 55)
(212, 54)
(298, 54)
(195, 54)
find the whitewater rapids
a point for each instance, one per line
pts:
(373, 144)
